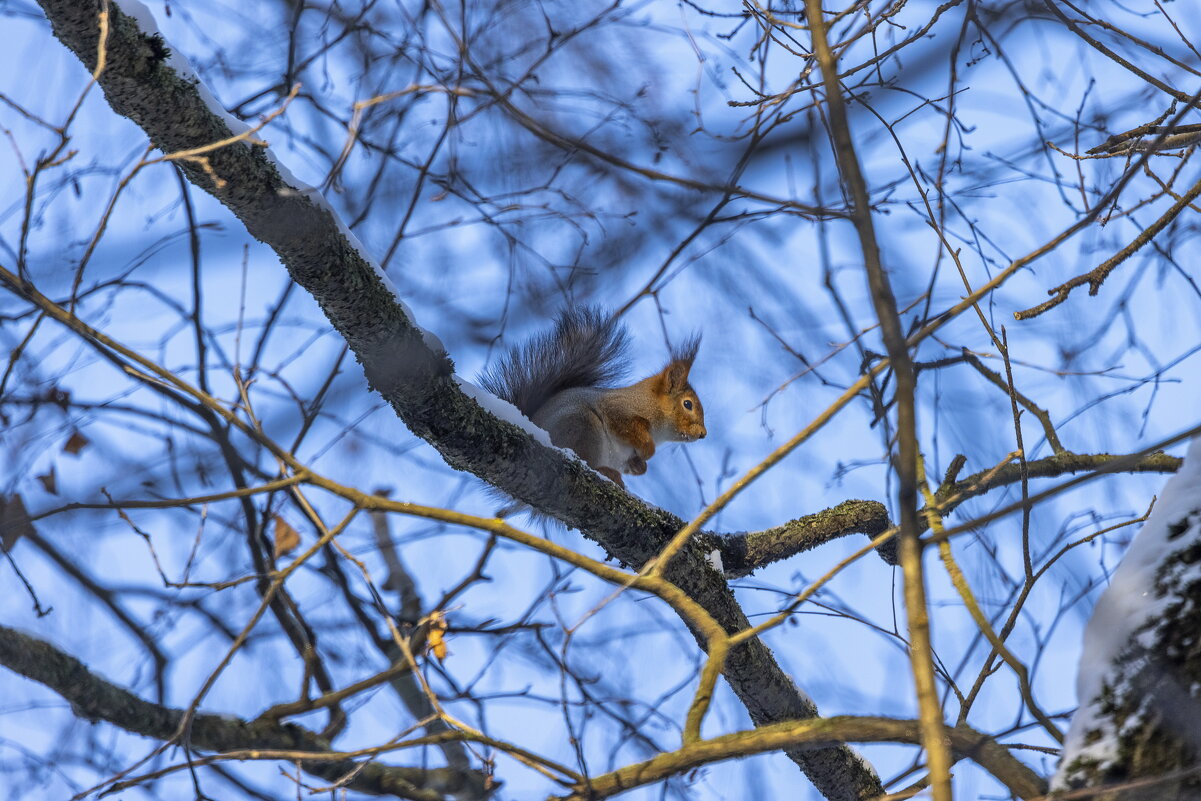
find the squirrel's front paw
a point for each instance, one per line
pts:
(612, 475)
(636, 465)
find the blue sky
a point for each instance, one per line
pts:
(546, 231)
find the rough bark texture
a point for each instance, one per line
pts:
(1150, 701)
(94, 698)
(742, 554)
(955, 493)
(416, 380)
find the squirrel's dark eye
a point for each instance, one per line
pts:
(688, 405)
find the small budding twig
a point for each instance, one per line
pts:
(1095, 277)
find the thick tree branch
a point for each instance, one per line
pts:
(94, 698)
(1140, 695)
(963, 740)
(742, 554)
(417, 380)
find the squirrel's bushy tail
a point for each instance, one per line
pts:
(587, 348)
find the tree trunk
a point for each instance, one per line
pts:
(1138, 730)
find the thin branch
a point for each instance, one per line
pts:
(416, 379)
(885, 303)
(94, 698)
(1098, 274)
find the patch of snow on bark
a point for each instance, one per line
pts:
(498, 407)
(1125, 606)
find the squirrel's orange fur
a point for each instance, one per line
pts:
(557, 380)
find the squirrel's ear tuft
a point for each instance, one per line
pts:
(682, 357)
(686, 350)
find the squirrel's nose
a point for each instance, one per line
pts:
(702, 434)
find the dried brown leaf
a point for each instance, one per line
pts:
(49, 481)
(14, 521)
(76, 443)
(286, 537)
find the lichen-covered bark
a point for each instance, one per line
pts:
(744, 553)
(953, 494)
(741, 554)
(416, 381)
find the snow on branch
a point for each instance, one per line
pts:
(1139, 682)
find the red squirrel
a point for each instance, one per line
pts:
(560, 381)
